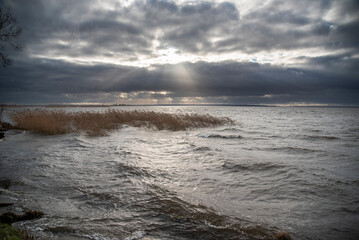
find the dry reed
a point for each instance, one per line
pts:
(100, 123)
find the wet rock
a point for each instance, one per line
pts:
(4, 126)
(2, 135)
(283, 236)
(5, 183)
(5, 204)
(29, 215)
(10, 217)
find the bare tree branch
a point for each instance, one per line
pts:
(9, 31)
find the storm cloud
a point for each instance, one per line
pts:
(239, 52)
(222, 82)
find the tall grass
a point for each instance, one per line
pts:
(100, 123)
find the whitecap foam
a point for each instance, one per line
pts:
(96, 236)
(136, 235)
(215, 226)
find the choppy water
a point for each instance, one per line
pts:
(277, 169)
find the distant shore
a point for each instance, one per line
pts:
(174, 105)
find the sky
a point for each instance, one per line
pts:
(277, 52)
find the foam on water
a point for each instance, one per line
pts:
(136, 235)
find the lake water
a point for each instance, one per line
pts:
(276, 169)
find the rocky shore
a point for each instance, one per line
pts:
(7, 218)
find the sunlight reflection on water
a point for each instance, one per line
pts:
(292, 169)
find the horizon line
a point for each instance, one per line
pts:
(179, 104)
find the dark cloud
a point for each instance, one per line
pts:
(336, 64)
(296, 26)
(346, 35)
(82, 33)
(129, 29)
(72, 27)
(233, 80)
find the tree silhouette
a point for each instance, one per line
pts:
(9, 31)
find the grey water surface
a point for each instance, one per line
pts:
(277, 169)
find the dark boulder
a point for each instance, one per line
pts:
(4, 126)
(5, 183)
(283, 236)
(10, 217)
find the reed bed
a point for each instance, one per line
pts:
(100, 123)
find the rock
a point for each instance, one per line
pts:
(31, 215)
(5, 183)
(2, 135)
(283, 236)
(5, 126)
(10, 217)
(5, 204)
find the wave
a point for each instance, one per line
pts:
(202, 149)
(315, 130)
(293, 149)
(220, 136)
(140, 172)
(76, 142)
(96, 236)
(229, 129)
(251, 166)
(322, 137)
(202, 222)
(136, 235)
(128, 170)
